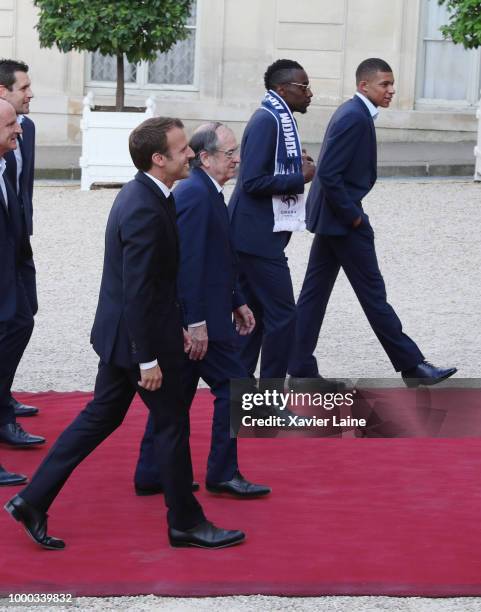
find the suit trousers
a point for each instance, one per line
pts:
(220, 364)
(14, 336)
(114, 390)
(356, 254)
(267, 287)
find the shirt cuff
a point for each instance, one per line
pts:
(198, 324)
(148, 365)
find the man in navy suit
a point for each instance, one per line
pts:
(138, 336)
(209, 297)
(345, 173)
(265, 278)
(14, 250)
(15, 87)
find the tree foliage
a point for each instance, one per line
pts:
(464, 25)
(137, 29)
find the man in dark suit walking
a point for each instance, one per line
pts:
(345, 173)
(15, 314)
(15, 87)
(272, 174)
(209, 297)
(137, 333)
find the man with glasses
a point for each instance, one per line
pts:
(209, 297)
(267, 204)
(138, 336)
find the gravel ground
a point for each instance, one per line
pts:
(428, 246)
(427, 239)
(256, 603)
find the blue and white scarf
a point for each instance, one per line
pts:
(289, 210)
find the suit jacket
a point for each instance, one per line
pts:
(138, 318)
(346, 170)
(250, 207)
(15, 252)
(27, 147)
(208, 270)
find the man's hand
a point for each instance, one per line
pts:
(151, 379)
(244, 320)
(357, 222)
(187, 341)
(200, 341)
(306, 156)
(308, 167)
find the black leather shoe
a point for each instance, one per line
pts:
(205, 535)
(313, 384)
(9, 478)
(238, 487)
(426, 373)
(21, 410)
(34, 522)
(13, 435)
(145, 491)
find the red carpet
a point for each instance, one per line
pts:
(346, 517)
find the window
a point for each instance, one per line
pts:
(176, 67)
(172, 70)
(104, 68)
(449, 75)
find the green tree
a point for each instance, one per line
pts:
(137, 29)
(464, 25)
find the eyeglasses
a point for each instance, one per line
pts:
(229, 153)
(302, 86)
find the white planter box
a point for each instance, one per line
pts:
(105, 144)
(477, 148)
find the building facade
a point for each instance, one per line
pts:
(217, 73)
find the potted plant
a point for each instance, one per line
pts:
(133, 29)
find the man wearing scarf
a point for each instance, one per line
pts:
(266, 206)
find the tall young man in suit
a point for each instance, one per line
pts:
(209, 296)
(14, 250)
(346, 172)
(138, 336)
(273, 172)
(15, 87)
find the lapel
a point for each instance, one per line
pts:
(11, 169)
(27, 145)
(219, 207)
(13, 212)
(166, 203)
(373, 145)
(3, 204)
(216, 197)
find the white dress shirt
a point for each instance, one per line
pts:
(163, 188)
(370, 106)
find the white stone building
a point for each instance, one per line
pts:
(217, 73)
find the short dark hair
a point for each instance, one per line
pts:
(151, 137)
(8, 68)
(369, 67)
(280, 72)
(204, 139)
